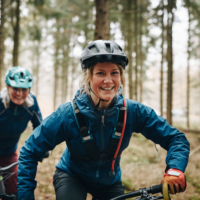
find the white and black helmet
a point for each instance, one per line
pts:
(103, 51)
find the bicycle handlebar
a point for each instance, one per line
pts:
(144, 192)
(8, 197)
(4, 169)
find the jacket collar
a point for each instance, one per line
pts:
(83, 101)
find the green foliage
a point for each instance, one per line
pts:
(128, 185)
(154, 158)
(193, 198)
(194, 183)
(35, 33)
(37, 3)
(70, 23)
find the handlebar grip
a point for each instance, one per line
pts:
(165, 190)
(156, 189)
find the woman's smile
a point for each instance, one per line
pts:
(107, 89)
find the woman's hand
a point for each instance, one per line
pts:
(176, 180)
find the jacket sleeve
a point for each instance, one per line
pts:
(45, 137)
(37, 117)
(156, 128)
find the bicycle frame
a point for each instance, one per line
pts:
(2, 188)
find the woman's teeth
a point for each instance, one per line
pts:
(107, 88)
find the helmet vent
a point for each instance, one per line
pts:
(108, 49)
(94, 49)
(120, 48)
(30, 80)
(11, 78)
(21, 74)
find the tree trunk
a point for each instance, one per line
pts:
(129, 47)
(56, 66)
(65, 65)
(136, 46)
(102, 23)
(162, 59)
(86, 19)
(199, 81)
(55, 78)
(140, 50)
(188, 67)
(16, 35)
(73, 64)
(170, 61)
(2, 38)
(37, 68)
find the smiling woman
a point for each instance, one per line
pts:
(97, 127)
(17, 107)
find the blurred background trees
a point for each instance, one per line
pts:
(161, 39)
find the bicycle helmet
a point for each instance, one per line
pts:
(19, 77)
(103, 51)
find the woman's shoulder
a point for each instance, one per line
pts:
(32, 95)
(133, 103)
(136, 105)
(65, 108)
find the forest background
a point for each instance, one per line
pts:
(160, 37)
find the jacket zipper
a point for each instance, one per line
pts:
(97, 173)
(15, 111)
(102, 139)
(102, 126)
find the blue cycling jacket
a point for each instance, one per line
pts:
(61, 126)
(14, 120)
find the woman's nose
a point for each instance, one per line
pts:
(107, 79)
(19, 91)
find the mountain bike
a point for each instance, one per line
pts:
(144, 193)
(4, 170)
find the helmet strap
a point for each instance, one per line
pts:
(97, 106)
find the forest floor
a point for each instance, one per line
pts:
(142, 166)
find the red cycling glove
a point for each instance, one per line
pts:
(176, 180)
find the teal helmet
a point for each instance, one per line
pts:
(19, 77)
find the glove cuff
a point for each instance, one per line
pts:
(174, 172)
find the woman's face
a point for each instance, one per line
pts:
(18, 95)
(105, 81)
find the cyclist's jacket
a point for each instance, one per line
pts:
(61, 126)
(14, 120)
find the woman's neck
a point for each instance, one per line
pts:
(103, 104)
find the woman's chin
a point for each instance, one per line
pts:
(18, 102)
(108, 98)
